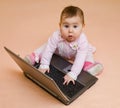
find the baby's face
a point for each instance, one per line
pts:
(71, 28)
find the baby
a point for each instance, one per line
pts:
(69, 42)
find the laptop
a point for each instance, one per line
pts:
(52, 82)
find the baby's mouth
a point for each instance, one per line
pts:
(70, 36)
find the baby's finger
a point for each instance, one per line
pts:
(65, 82)
(73, 82)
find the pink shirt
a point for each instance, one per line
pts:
(76, 51)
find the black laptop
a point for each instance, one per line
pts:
(52, 82)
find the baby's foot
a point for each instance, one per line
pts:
(30, 59)
(95, 69)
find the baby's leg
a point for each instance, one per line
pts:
(35, 56)
(38, 52)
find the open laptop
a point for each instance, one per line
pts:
(52, 82)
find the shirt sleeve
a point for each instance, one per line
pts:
(80, 57)
(49, 50)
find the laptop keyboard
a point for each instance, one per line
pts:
(69, 90)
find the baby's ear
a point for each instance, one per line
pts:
(59, 24)
(83, 26)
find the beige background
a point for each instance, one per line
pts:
(26, 24)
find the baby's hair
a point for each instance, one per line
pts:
(71, 11)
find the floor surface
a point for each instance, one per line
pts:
(26, 24)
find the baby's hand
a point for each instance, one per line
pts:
(43, 70)
(67, 79)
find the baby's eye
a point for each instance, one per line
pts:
(66, 26)
(75, 26)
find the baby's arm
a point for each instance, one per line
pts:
(48, 52)
(79, 58)
(76, 68)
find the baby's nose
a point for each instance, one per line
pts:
(70, 29)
